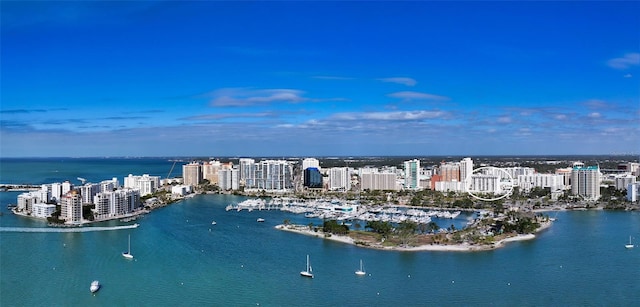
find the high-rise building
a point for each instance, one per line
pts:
(378, 181)
(412, 174)
(88, 191)
(450, 171)
(339, 179)
(312, 178)
(118, 202)
(228, 177)
(247, 171)
(310, 162)
(210, 171)
(554, 182)
(585, 182)
(145, 183)
(466, 168)
(274, 175)
(71, 207)
(624, 180)
(192, 173)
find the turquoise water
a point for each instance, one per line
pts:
(183, 260)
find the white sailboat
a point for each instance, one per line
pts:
(309, 271)
(128, 254)
(630, 245)
(361, 271)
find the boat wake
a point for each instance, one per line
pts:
(74, 229)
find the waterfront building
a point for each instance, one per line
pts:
(66, 187)
(632, 191)
(339, 179)
(412, 174)
(88, 191)
(109, 185)
(118, 202)
(181, 190)
(554, 182)
(43, 210)
(585, 182)
(371, 181)
(623, 181)
(312, 178)
(192, 173)
(247, 170)
(25, 202)
(274, 175)
(228, 177)
(71, 207)
(56, 191)
(210, 171)
(145, 183)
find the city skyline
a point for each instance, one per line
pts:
(166, 78)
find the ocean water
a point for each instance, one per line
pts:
(181, 259)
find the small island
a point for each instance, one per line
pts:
(488, 232)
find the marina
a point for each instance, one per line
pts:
(340, 210)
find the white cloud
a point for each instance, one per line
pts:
(596, 104)
(219, 116)
(409, 95)
(628, 60)
(628, 76)
(390, 116)
(504, 119)
(332, 78)
(243, 97)
(594, 115)
(400, 80)
(560, 117)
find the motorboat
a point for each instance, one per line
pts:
(95, 286)
(260, 220)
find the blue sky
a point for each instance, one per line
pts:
(213, 78)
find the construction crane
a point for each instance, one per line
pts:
(171, 170)
(82, 180)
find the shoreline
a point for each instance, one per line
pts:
(463, 247)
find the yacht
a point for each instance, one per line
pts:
(260, 219)
(95, 286)
(309, 271)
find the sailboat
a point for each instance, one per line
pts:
(361, 271)
(128, 254)
(630, 245)
(309, 271)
